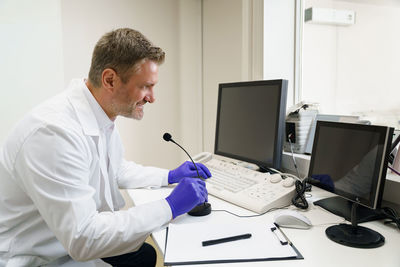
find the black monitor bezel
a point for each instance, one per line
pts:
(381, 166)
(280, 122)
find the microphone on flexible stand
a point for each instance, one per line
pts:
(199, 210)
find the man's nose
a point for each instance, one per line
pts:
(150, 97)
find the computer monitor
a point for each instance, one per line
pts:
(250, 121)
(350, 160)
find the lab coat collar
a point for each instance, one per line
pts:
(82, 107)
(90, 126)
(103, 120)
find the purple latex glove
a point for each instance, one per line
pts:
(189, 193)
(187, 169)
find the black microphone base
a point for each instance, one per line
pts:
(201, 210)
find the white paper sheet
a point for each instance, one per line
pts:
(184, 241)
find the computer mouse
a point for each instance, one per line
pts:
(292, 219)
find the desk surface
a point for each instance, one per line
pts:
(313, 244)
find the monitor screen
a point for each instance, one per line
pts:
(350, 160)
(250, 121)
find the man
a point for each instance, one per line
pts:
(62, 165)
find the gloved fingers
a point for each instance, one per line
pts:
(189, 170)
(193, 173)
(201, 196)
(188, 164)
(201, 192)
(202, 174)
(204, 194)
(204, 170)
(200, 182)
(194, 183)
(186, 195)
(171, 177)
(184, 170)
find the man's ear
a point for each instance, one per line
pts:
(108, 79)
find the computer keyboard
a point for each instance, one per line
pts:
(253, 190)
(232, 182)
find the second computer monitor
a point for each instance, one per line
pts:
(250, 121)
(350, 160)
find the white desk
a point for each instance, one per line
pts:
(313, 244)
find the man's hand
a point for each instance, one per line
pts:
(187, 169)
(189, 193)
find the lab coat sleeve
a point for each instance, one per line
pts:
(132, 175)
(54, 168)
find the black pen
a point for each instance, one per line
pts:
(225, 239)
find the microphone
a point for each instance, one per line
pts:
(202, 209)
(167, 137)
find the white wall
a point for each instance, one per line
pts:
(48, 42)
(355, 69)
(190, 77)
(230, 52)
(31, 59)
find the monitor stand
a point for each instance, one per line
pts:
(353, 235)
(342, 207)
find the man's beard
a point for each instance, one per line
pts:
(129, 111)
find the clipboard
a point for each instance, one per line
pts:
(268, 243)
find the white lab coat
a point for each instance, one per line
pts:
(58, 201)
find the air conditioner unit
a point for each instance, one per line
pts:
(329, 16)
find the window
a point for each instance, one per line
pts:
(354, 69)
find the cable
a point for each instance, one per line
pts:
(391, 216)
(393, 170)
(291, 150)
(249, 216)
(286, 175)
(268, 169)
(299, 199)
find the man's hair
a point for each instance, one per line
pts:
(122, 50)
